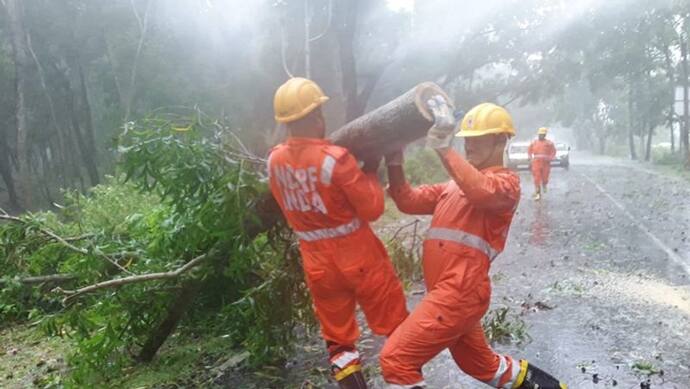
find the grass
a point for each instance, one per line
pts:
(406, 262)
(646, 368)
(566, 287)
(28, 358)
(186, 361)
(31, 359)
(502, 326)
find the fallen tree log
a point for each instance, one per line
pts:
(391, 126)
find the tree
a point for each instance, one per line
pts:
(15, 12)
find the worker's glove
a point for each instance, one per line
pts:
(440, 135)
(395, 158)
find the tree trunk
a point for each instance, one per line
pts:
(389, 127)
(6, 171)
(82, 143)
(62, 155)
(88, 127)
(346, 28)
(15, 11)
(671, 124)
(648, 152)
(684, 129)
(631, 124)
(180, 305)
(143, 29)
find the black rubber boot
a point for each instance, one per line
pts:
(532, 377)
(354, 380)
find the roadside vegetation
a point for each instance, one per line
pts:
(176, 212)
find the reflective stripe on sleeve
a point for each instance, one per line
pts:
(268, 164)
(328, 233)
(463, 238)
(327, 170)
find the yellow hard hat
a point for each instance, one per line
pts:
(296, 99)
(485, 119)
(542, 131)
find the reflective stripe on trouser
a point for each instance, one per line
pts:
(328, 233)
(541, 156)
(463, 238)
(508, 370)
(345, 364)
(420, 384)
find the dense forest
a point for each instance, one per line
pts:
(76, 74)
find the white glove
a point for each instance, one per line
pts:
(440, 135)
(395, 158)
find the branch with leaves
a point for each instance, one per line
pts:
(72, 294)
(63, 241)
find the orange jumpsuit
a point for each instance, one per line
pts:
(471, 217)
(541, 153)
(328, 202)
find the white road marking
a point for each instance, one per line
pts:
(682, 262)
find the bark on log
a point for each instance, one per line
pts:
(391, 126)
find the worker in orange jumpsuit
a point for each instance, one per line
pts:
(540, 153)
(328, 202)
(471, 217)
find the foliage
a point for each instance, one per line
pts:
(422, 166)
(502, 326)
(406, 260)
(185, 191)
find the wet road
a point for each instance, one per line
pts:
(607, 250)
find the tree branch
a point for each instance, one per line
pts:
(51, 278)
(143, 25)
(71, 294)
(50, 234)
(328, 24)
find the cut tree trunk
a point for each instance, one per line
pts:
(390, 127)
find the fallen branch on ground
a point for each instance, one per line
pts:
(53, 236)
(71, 294)
(51, 278)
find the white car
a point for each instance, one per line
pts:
(562, 156)
(516, 155)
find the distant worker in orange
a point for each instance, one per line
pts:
(540, 153)
(471, 217)
(328, 202)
